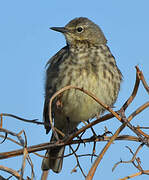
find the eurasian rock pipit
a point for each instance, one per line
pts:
(85, 62)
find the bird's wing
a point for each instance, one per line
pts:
(50, 85)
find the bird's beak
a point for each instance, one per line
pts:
(59, 29)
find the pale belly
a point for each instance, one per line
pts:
(78, 106)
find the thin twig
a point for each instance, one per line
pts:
(13, 134)
(132, 159)
(134, 175)
(78, 163)
(25, 153)
(134, 92)
(141, 76)
(21, 119)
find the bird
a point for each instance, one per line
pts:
(85, 62)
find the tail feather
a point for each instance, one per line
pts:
(54, 159)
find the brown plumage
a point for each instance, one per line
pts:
(85, 62)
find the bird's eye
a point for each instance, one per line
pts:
(79, 29)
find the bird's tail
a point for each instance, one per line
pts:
(53, 159)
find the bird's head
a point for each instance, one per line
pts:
(83, 30)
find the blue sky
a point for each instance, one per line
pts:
(26, 44)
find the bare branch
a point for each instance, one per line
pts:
(21, 119)
(10, 171)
